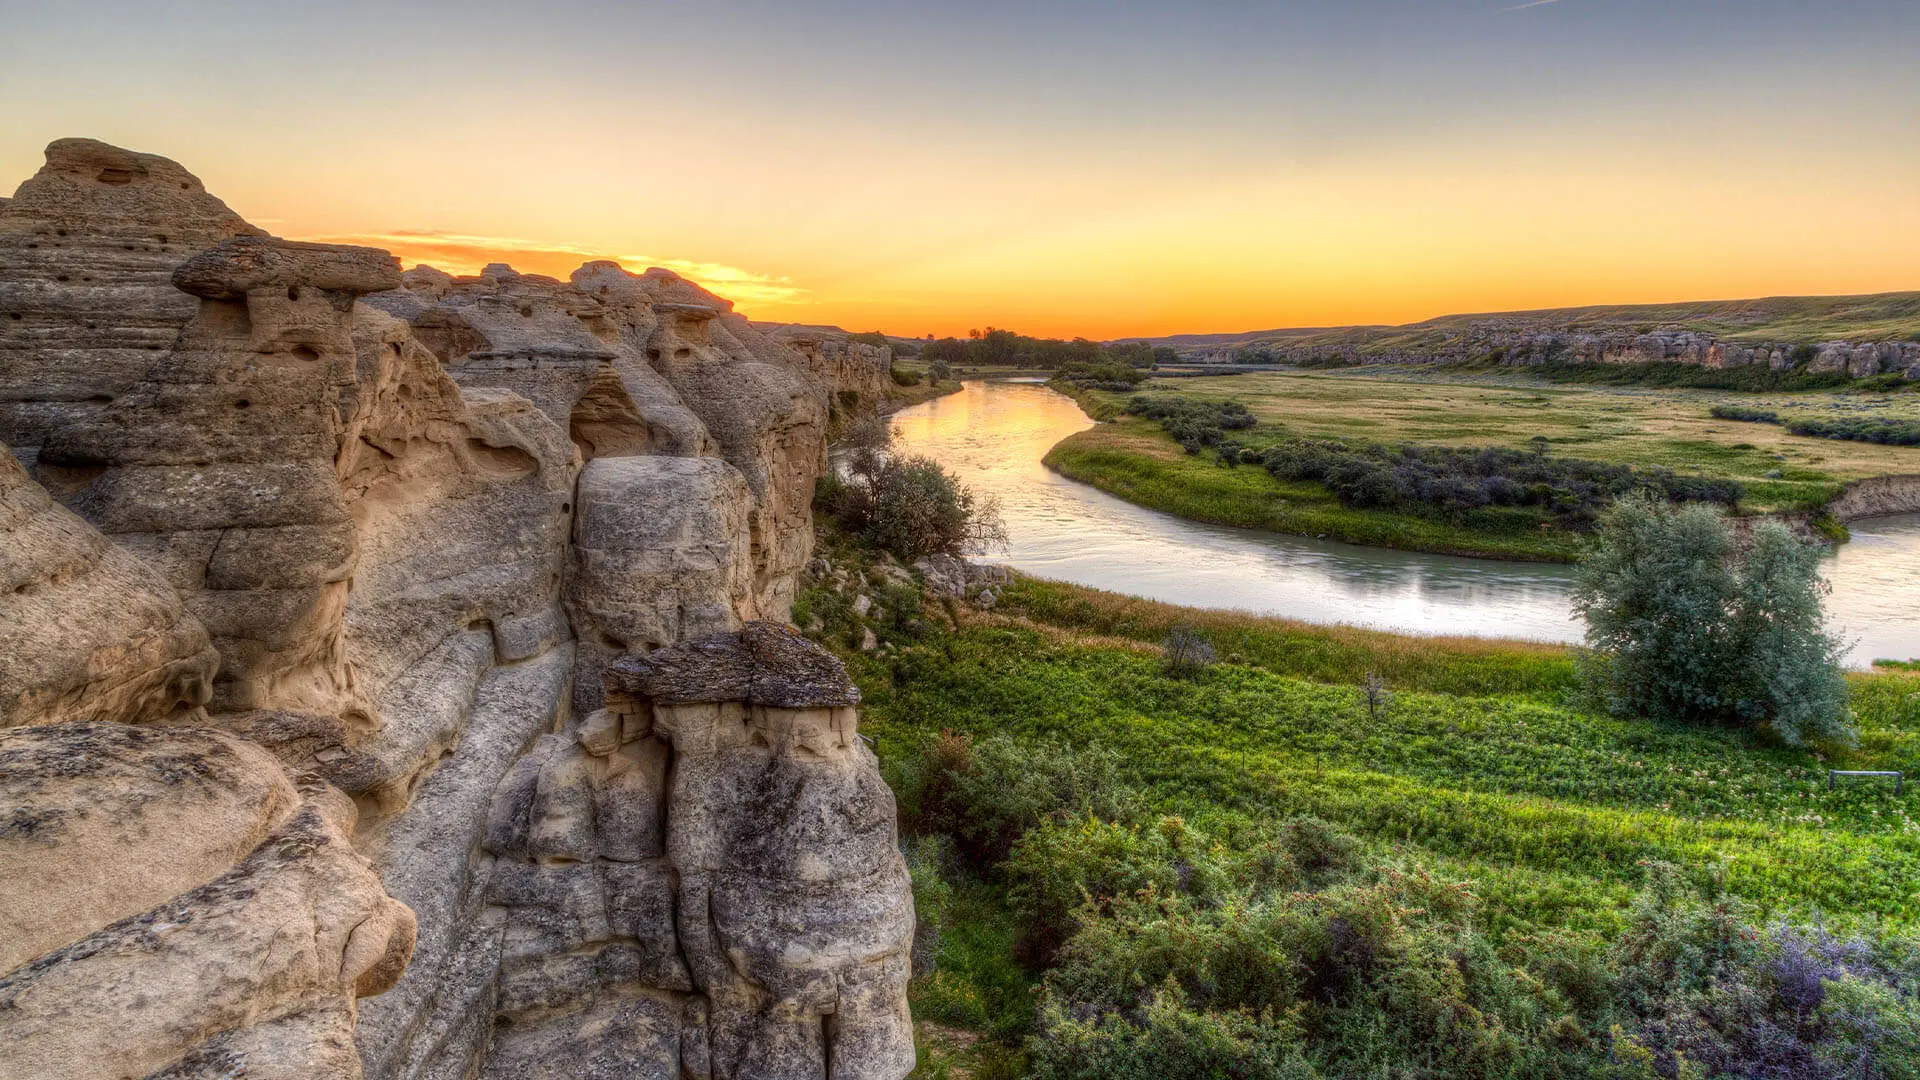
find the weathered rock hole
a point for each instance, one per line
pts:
(114, 176)
(59, 232)
(242, 404)
(306, 352)
(566, 508)
(526, 311)
(15, 316)
(63, 277)
(293, 292)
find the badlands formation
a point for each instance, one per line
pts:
(396, 682)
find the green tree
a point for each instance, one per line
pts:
(1684, 626)
(1792, 674)
(939, 371)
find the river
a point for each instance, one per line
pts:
(993, 435)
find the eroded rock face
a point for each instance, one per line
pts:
(646, 365)
(89, 632)
(660, 554)
(297, 509)
(178, 906)
(87, 252)
(703, 878)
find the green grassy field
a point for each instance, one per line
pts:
(1481, 769)
(1781, 473)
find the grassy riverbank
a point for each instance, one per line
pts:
(1132, 458)
(1479, 770)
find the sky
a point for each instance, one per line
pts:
(1059, 167)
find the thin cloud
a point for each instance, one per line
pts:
(466, 253)
(1531, 4)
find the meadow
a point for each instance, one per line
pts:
(1779, 472)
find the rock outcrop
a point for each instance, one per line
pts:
(177, 906)
(704, 877)
(361, 552)
(89, 632)
(89, 245)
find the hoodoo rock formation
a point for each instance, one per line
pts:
(359, 621)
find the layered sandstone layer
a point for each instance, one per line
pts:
(302, 515)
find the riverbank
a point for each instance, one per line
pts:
(905, 397)
(1133, 459)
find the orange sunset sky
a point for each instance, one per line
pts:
(1098, 169)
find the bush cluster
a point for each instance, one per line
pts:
(1746, 414)
(909, 506)
(1752, 377)
(1457, 479)
(1288, 950)
(1862, 429)
(1117, 377)
(1195, 423)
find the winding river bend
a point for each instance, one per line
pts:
(993, 435)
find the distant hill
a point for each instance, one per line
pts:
(1776, 320)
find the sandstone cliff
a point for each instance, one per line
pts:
(372, 558)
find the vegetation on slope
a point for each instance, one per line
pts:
(1488, 816)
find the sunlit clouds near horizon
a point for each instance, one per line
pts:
(1106, 168)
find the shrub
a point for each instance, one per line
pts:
(1195, 423)
(1752, 377)
(1745, 414)
(1166, 1040)
(904, 377)
(1454, 480)
(1374, 694)
(939, 371)
(911, 506)
(1186, 653)
(1861, 429)
(1684, 628)
(1117, 376)
(986, 794)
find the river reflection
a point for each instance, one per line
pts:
(994, 434)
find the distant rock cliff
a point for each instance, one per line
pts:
(1811, 334)
(338, 604)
